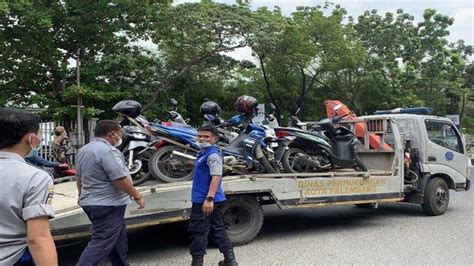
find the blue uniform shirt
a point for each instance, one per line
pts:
(208, 164)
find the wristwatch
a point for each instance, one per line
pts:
(210, 198)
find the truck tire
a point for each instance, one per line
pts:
(436, 197)
(167, 170)
(243, 219)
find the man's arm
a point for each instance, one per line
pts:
(40, 242)
(125, 185)
(216, 179)
(40, 161)
(214, 162)
(115, 167)
(37, 209)
(208, 206)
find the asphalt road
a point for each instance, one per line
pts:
(392, 234)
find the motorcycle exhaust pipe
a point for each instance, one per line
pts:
(183, 155)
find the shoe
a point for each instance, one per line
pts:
(229, 259)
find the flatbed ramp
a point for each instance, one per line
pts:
(166, 203)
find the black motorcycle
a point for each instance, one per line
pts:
(137, 143)
(326, 148)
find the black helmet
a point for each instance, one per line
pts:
(210, 108)
(129, 108)
(246, 104)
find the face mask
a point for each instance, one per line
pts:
(34, 150)
(118, 142)
(205, 145)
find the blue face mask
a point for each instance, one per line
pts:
(34, 150)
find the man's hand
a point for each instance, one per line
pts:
(140, 201)
(208, 207)
(63, 166)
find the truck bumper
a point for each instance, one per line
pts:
(463, 186)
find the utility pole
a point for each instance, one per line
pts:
(80, 123)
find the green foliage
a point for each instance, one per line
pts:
(371, 62)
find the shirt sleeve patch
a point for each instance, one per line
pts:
(49, 197)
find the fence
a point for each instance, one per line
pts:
(47, 134)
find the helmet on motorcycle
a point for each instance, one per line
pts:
(246, 104)
(210, 108)
(129, 108)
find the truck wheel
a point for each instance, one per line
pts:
(243, 219)
(166, 169)
(436, 197)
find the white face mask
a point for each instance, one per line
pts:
(205, 145)
(118, 143)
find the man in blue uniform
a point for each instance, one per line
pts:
(208, 201)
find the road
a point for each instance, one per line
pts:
(392, 234)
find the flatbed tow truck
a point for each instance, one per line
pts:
(426, 179)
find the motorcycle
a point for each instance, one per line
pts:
(250, 152)
(137, 143)
(178, 138)
(328, 147)
(171, 138)
(175, 118)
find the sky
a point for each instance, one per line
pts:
(461, 10)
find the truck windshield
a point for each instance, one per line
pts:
(444, 134)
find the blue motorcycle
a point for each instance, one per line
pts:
(163, 166)
(250, 152)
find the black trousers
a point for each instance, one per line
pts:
(109, 236)
(201, 226)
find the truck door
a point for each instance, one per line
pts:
(444, 150)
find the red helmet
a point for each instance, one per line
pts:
(246, 104)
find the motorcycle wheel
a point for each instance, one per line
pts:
(144, 173)
(168, 170)
(291, 164)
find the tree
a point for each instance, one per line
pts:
(40, 39)
(198, 32)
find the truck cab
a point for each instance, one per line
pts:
(435, 149)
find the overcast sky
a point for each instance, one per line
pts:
(461, 10)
